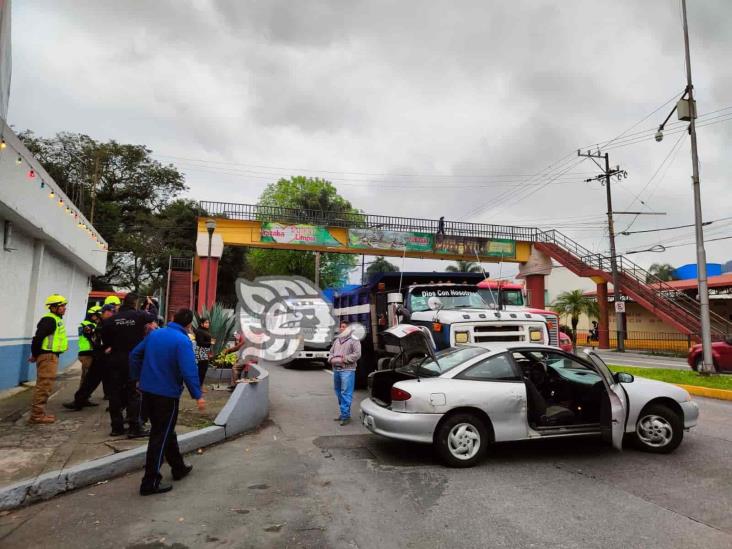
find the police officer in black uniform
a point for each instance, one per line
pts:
(120, 335)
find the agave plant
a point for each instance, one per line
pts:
(223, 324)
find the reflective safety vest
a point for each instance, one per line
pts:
(85, 343)
(56, 342)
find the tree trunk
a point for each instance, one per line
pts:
(575, 321)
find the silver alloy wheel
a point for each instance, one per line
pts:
(654, 430)
(463, 441)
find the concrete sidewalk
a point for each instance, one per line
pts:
(27, 451)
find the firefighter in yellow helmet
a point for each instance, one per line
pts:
(48, 343)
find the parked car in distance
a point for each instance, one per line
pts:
(464, 398)
(721, 354)
(565, 343)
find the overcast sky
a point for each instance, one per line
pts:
(469, 109)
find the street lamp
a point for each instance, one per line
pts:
(210, 227)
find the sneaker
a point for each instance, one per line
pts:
(72, 406)
(42, 420)
(177, 475)
(160, 489)
(345, 421)
(117, 433)
(138, 433)
(339, 418)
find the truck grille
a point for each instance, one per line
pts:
(552, 326)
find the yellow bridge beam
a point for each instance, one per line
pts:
(338, 240)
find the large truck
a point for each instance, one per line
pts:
(448, 305)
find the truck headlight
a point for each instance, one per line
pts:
(462, 337)
(536, 334)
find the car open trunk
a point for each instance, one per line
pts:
(407, 342)
(380, 384)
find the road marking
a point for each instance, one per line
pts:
(327, 371)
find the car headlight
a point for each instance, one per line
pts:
(462, 337)
(536, 334)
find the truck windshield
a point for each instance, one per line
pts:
(509, 297)
(451, 298)
(447, 359)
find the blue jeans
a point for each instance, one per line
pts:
(343, 383)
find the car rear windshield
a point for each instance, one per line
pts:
(447, 359)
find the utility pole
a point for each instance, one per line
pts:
(606, 175)
(317, 269)
(707, 366)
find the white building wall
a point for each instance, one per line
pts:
(45, 252)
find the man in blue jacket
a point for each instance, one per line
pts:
(161, 363)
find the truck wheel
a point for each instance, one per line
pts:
(461, 440)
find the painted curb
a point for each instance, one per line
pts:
(709, 392)
(245, 410)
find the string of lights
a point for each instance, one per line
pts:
(54, 193)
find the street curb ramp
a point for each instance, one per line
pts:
(246, 409)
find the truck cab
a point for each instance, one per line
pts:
(448, 305)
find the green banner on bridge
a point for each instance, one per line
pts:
(377, 239)
(309, 235)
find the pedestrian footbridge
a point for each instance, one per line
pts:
(361, 233)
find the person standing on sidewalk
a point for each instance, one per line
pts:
(203, 348)
(161, 364)
(97, 372)
(47, 345)
(344, 355)
(121, 333)
(87, 334)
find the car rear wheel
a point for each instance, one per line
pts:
(659, 429)
(461, 440)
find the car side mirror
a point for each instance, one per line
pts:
(622, 377)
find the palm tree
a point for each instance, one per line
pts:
(381, 265)
(464, 267)
(661, 271)
(574, 304)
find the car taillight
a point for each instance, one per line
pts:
(399, 394)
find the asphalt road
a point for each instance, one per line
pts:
(644, 361)
(304, 481)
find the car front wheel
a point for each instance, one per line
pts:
(461, 440)
(659, 429)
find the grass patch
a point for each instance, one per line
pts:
(684, 377)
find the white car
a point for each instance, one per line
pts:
(466, 397)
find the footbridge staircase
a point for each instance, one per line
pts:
(665, 302)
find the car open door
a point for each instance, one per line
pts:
(614, 431)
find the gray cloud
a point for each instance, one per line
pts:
(445, 89)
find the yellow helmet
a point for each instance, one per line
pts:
(112, 300)
(96, 309)
(55, 299)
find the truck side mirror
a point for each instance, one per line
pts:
(404, 312)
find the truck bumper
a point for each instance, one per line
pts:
(312, 355)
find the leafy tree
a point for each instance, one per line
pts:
(662, 271)
(462, 266)
(574, 304)
(322, 198)
(381, 265)
(129, 197)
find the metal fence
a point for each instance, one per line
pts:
(254, 212)
(652, 342)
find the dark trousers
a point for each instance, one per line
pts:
(202, 369)
(94, 376)
(122, 394)
(163, 442)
